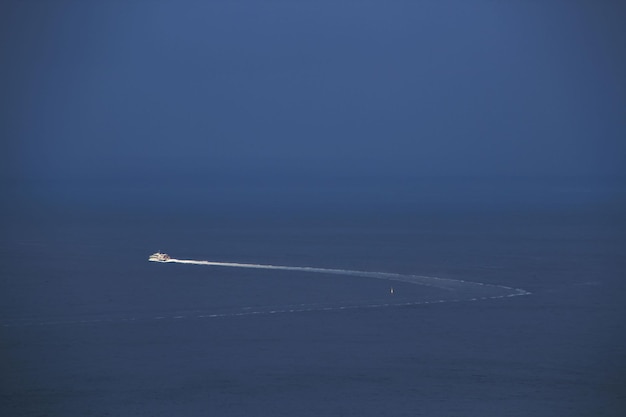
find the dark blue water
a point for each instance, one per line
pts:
(91, 328)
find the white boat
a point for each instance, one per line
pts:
(159, 257)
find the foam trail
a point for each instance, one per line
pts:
(494, 291)
(458, 290)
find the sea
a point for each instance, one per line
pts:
(479, 311)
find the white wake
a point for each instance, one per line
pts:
(456, 291)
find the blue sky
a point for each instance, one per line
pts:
(210, 91)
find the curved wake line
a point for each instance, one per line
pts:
(464, 291)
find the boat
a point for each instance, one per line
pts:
(159, 257)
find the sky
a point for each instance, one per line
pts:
(102, 94)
